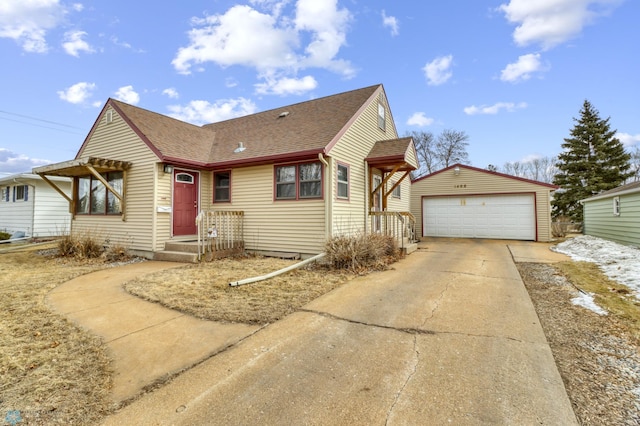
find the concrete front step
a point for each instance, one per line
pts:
(409, 248)
(176, 256)
(183, 246)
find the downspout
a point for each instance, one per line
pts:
(276, 273)
(328, 202)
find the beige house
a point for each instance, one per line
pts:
(282, 180)
(467, 202)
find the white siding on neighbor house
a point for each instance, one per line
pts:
(599, 220)
(269, 225)
(17, 215)
(351, 216)
(51, 210)
(475, 182)
(117, 141)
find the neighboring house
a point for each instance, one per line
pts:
(30, 206)
(468, 202)
(297, 174)
(614, 215)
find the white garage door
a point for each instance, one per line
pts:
(483, 216)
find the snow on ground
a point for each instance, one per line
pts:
(586, 301)
(619, 262)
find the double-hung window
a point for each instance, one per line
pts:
(222, 187)
(94, 198)
(396, 191)
(343, 181)
(616, 206)
(298, 181)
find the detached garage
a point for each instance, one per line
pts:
(466, 202)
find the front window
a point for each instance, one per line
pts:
(222, 187)
(343, 181)
(298, 181)
(94, 198)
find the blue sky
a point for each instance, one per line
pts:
(512, 74)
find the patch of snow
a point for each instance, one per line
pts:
(619, 262)
(586, 301)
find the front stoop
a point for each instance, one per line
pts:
(178, 251)
(409, 248)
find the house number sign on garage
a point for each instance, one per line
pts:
(460, 186)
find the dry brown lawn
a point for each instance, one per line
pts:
(203, 290)
(51, 371)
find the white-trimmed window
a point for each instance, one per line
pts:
(381, 118)
(343, 181)
(20, 193)
(222, 187)
(396, 191)
(616, 206)
(5, 193)
(298, 181)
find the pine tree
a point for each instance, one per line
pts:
(593, 160)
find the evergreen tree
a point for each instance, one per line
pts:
(593, 160)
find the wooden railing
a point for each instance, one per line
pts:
(220, 230)
(399, 225)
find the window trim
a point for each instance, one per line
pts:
(616, 206)
(398, 189)
(215, 187)
(297, 181)
(382, 122)
(347, 182)
(107, 192)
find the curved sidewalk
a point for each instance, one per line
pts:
(148, 342)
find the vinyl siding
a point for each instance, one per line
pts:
(117, 141)
(269, 225)
(17, 215)
(473, 182)
(599, 220)
(51, 210)
(350, 216)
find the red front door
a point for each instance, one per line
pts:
(185, 202)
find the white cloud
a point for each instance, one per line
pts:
(438, 71)
(79, 93)
(74, 44)
(523, 69)
(391, 22)
(27, 22)
(287, 86)
(419, 119)
(128, 95)
(171, 92)
(628, 139)
(552, 22)
(269, 41)
(494, 109)
(11, 162)
(203, 112)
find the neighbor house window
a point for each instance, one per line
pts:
(616, 206)
(20, 193)
(396, 192)
(343, 181)
(381, 121)
(94, 198)
(5, 194)
(298, 181)
(222, 187)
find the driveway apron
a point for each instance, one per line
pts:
(449, 336)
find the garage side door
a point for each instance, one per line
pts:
(483, 216)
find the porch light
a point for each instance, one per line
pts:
(456, 171)
(168, 168)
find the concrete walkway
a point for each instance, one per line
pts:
(147, 342)
(450, 336)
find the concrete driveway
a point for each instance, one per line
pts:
(449, 336)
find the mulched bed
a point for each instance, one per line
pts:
(598, 359)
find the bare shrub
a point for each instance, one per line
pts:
(117, 252)
(361, 251)
(86, 246)
(563, 226)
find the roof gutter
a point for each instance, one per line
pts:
(328, 226)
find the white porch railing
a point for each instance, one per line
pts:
(220, 230)
(399, 225)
